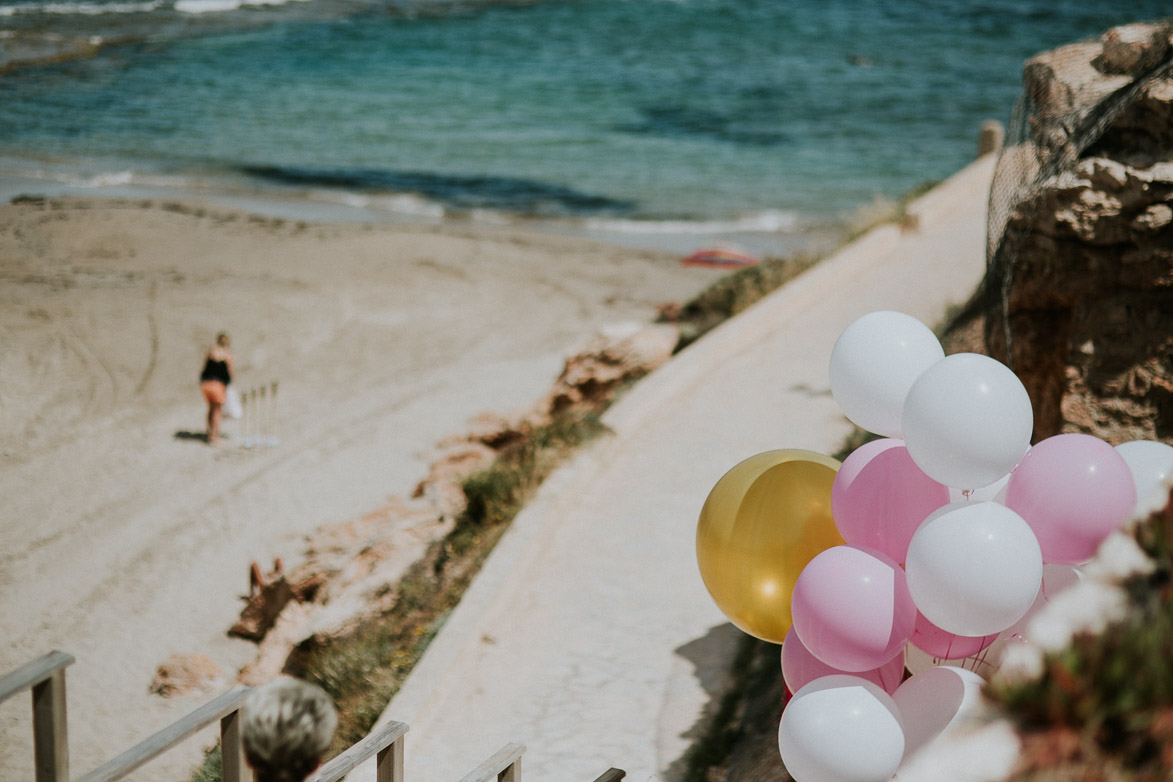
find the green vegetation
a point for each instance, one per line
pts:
(1105, 703)
(735, 292)
(213, 768)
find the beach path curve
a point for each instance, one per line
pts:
(588, 636)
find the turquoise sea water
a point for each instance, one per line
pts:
(657, 115)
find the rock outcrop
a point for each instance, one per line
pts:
(610, 360)
(1080, 290)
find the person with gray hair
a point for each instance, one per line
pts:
(286, 727)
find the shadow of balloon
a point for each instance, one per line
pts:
(737, 730)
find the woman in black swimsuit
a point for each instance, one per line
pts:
(214, 380)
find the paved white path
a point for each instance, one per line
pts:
(589, 636)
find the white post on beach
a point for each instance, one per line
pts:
(245, 410)
(259, 421)
(263, 417)
(245, 417)
(259, 416)
(251, 424)
(273, 417)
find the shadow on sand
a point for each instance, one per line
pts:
(736, 735)
(711, 657)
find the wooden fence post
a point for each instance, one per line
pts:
(273, 439)
(511, 773)
(389, 762)
(505, 766)
(50, 740)
(234, 766)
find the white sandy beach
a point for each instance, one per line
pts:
(124, 538)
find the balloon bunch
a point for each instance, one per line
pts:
(940, 538)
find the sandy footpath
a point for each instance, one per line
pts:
(588, 636)
(123, 537)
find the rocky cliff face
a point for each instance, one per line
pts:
(1080, 286)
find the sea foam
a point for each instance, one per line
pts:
(81, 9)
(218, 6)
(768, 221)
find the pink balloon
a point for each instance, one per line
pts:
(943, 644)
(880, 504)
(856, 461)
(852, 609)
(800, 667)
(1073, 490)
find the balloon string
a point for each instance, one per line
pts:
(967, 493)
(980, 658)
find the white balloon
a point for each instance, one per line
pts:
(967, 421)
(1151, 465)
(873, 364)
(933, 702)
(841, 729)
(974, 568)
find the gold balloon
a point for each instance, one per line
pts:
(762, 523)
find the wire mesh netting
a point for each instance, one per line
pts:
(1054, 123)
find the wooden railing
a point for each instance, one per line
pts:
(506, 765)
(46, 678)
(386, 743)
(225, 708)
(612, 775)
